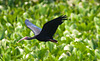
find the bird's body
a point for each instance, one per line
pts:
(45, 34)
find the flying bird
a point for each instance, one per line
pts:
(47, 32)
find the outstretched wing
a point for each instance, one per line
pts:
(36, 30)
(50, 27)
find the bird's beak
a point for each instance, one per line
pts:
(52, 40)
(22, 39)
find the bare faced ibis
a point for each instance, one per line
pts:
(45, 34)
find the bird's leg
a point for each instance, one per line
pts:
(23, 39)
(52, 40)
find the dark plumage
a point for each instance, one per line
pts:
(45, 34)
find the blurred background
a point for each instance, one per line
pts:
(78, 38)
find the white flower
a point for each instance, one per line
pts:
(27, 55)
(76, 39)
(21, 50)
(19, 25)
(25, 13)
(63, 38)
(63, 55)
(6, 32)
(8, 24)
(26, 3)
(3, 40)
(66, 47)
(87, 46)
(1, 7)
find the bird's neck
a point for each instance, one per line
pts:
(29, 38)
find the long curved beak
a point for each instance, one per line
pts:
(22, 39)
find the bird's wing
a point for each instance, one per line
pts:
(36, 30)
(50, 27)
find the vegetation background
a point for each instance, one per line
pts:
(78, 38)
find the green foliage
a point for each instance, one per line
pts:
(78, 38)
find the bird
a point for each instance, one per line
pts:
(46, 33)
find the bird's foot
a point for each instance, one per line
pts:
(52, 40)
